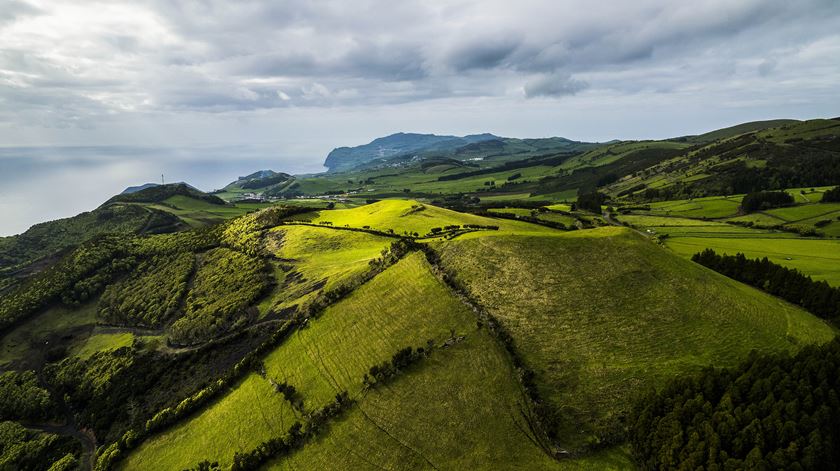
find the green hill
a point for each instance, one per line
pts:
(158, 193)
(262, 183)
(599, 315)
(742, 128)
(18, 252)
(798, 155)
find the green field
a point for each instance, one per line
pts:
(316, 258)
(250, 413)
(199, 213)
(684, 227)
(459, 409)
(383, 316)
(408, 216)
(603, 313)
(102, 342)
(544, 216)
(818, 258)
(713, 207)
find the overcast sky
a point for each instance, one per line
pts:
(208, 90)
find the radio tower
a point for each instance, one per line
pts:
(161, 179)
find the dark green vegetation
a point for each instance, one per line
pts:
(763, 200)
(368, 327)
(151, 295)
(49, 238)
(771, 412)
(159, 193)
(25, 450)
(815, 296)
(832, 195)
(22, 398)
(227, 282)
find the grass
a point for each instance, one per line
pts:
(410, 216)
(463, 397)
(545, 216)
(818, 258)
(684, 227)
(458, 409)
(249, 414)
(319, 257)
(612, 313)
(712, 207)
(805, 212)
(198, 213)
(101, 342)
(404, 306)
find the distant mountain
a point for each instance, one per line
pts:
(346, 158)
(135, 189)
(158, 193)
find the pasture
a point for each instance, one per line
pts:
(611, 314)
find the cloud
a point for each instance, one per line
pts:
(554, 85)
(766, 67)
(79, 65)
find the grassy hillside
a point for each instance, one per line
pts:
(311, 258)
(46, 239)
(404, 306)
(740, 129)
(795, 154)
(603, 313)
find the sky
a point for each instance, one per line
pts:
(96, 96)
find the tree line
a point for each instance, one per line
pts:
(818, 297)
(761, 200)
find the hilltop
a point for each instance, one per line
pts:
(258, 184)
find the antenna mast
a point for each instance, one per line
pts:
(161, 179)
